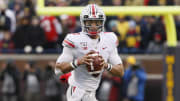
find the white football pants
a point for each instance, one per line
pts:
(77, 94)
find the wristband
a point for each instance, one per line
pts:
(74, 64)
(109, 67)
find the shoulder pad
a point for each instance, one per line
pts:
(112, 37)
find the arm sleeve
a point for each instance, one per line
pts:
(66, 56)
(69, 41)
(114, 58)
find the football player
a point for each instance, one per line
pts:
(77, 55)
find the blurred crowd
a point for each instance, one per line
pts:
(30, 83)
(22, 30)
(33, 82)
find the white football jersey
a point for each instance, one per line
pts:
(81, 44)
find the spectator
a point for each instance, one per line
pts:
(113, 28)
(134, 81)
(142, 29)
(27, 13)
(156, 45)
(155, 25)
(132, 39)
(72, 24)
(9, 13)
(166, 2)
(52, 85)
(32, 81)
(117, 2)
(146, 2)
(122, 27)
(98, 2)
(18, 10)
(29, 33)
(12, 3)
(177, 2)
(61, 2)
(52, 30)
(6, 44)
(5, 22)
(152, 2)
(20, 37)
(36, 35)
(78, 2)
(106, 2)
(134, 2)
(10, 86)
(29, 4)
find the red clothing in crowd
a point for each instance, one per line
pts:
(48, 23)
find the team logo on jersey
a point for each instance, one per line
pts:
(84, 45)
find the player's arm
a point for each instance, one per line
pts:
(66, 63)
(117, 70)
(63, 62)
(115, 65)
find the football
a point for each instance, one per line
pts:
(95, 68)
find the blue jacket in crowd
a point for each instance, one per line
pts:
(140, 74)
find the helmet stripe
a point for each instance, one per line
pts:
(93, 11)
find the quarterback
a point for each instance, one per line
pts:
(87, 54)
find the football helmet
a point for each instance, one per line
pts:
(92, 14)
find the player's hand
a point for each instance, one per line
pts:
(103, 64)
(86, 59)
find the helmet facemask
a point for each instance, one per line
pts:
(93, 26)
